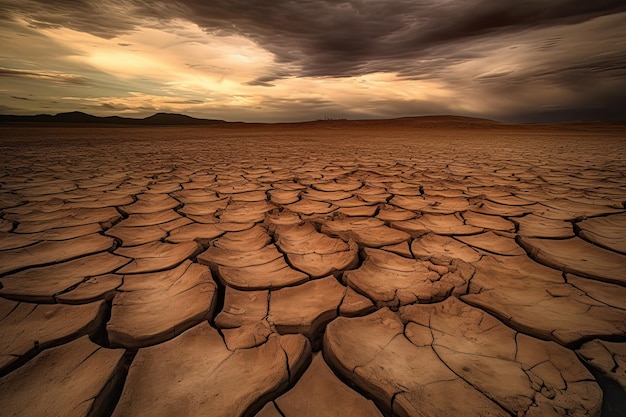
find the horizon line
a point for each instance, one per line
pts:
(8, 118)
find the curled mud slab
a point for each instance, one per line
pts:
(408, 361)
(315, 253)
(245, 272)
(137, 317)
(211, 380)
(392, 280)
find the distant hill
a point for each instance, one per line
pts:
(414, 122)
(449, 120)
(77, 118)
(164, 119)
(158, 119)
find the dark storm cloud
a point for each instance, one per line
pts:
(303, 103)
(111, 106)
(321, 38)
(419, 40)
(266, 80)
(49, 76)
(184, 102)
(602, 104)
(331, 38)
(105, 19)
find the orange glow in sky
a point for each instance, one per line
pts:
(217, 61)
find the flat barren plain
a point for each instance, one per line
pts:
(436, 268)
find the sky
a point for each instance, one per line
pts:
(287, 60)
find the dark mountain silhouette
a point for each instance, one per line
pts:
(443, 121)
(414, 122)
(176, 119)
(158, 119)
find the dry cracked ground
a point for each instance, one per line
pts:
(269, 273)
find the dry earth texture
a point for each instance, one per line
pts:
(328, 269)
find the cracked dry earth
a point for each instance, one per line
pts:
(203, 272)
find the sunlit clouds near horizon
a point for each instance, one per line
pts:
(289, 60)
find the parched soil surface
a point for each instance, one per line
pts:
(312, 270)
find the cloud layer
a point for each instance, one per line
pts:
(288, 60)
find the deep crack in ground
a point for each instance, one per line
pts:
(203, 277)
